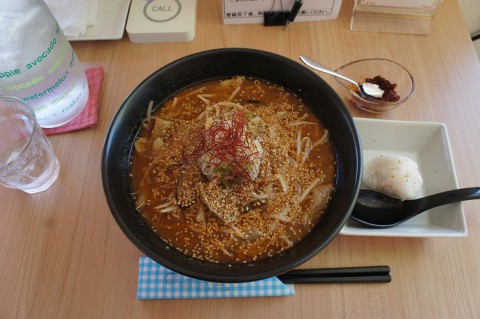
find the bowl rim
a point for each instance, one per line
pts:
(110, 192)
(374, 102)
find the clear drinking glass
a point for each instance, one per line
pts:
(27, 160)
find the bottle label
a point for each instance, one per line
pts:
(50, 79)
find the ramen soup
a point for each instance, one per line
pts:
(232, 171)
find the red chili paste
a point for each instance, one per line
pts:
(389, 95)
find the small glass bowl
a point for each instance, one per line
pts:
(369, 68)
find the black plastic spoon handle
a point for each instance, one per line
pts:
(448, 197)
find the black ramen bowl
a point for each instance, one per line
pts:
(224, 63)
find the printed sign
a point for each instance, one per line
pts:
(251, 11)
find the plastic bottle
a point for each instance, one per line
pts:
(38, 64)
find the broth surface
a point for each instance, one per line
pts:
(232, 171)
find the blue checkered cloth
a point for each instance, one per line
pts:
(158, 282)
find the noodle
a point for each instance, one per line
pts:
(228, 171)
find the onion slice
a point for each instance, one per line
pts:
(308, 190)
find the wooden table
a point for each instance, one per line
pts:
(63, 255)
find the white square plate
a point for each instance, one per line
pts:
(428, 144)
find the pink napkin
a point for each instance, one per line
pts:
(89, 115)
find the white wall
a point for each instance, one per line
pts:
(471, 12)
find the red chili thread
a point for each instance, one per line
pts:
(228, 145)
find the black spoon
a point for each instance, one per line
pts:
(377, 210)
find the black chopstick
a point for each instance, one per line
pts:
(369, 274)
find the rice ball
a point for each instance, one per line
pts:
(393, 175)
